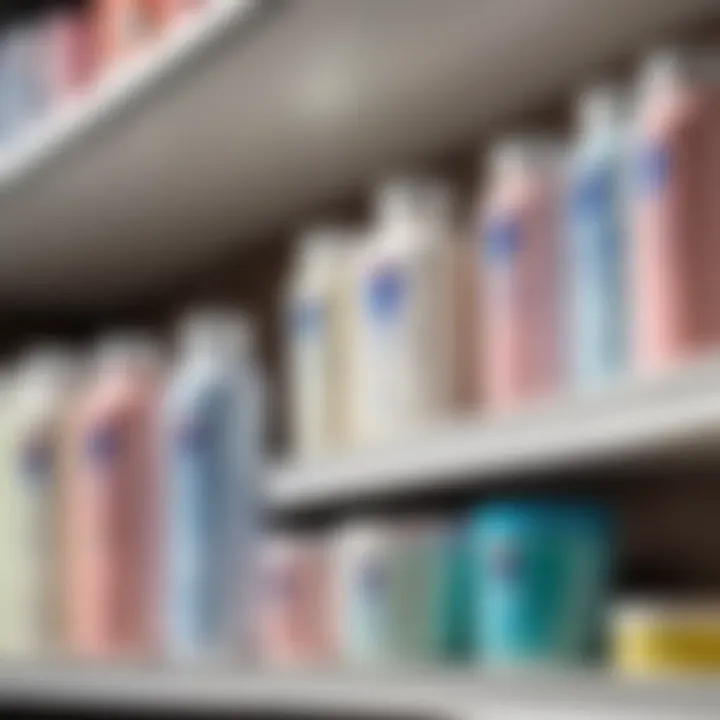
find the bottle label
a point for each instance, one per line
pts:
(592, 195)
(505, 562)
(501, 237)
(373, 579)
(307, 318)
(652, 168)
(279, 585)
(102, 445)
(35, 459)
(191, 436)
(386, 293)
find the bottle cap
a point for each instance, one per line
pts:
(601, 106)
(518, 153)
(670, 67)
(121, 350)
(224, 333)
(412, 200)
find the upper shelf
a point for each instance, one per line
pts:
(633, 419)
(113, 199)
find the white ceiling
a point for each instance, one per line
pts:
(316, 97)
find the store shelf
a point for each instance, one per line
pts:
(634, 418)
(52, 134)
(446, 696)
(307, 103)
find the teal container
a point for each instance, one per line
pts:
(544, 571)
(452, 594)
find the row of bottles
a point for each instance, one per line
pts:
(129, 496)
(590, 260)
(53, 53)
(515, 583)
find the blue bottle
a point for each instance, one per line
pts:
(596, 239)
(213, 421)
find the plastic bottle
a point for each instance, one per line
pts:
(365, 565)
(39, 405)
(297, 603)
(314, 338)
(675, 211)
(404, 318)
(111, 514)
(213, 452)
(520, 272)
(597, 238)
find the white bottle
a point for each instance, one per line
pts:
(404, 312)
(39, 402)
(364, 562)
(314, 343)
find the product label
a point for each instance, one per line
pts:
(593, 194)
(102, 445)
(35, 458)
(652, 168)
(505, 561)
(386, 291)
(501, 237)
(191, 436)
(373, 579)
(307, 318)
(279, 585)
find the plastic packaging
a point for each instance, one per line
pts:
(111, 518)
(520, 272)
(596, 243)
(675, 211)
(404, 371)
(213, 421)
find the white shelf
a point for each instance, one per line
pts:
(447, 695)
(633, 418)
(112, 92)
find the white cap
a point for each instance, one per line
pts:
(121, 350)
(47, 363)
(413, 199)
(320, 246)
(601, 106)
(671, 67)
(223, 332)
(517, 153)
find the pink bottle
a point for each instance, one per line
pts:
(296, 604)
(519, 273)
(111, 505)
(676, 215)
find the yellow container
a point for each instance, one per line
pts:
(658, 638)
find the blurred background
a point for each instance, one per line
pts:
(360, 357)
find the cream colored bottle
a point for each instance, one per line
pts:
(318, 339)
(41, 394)
(403, 308)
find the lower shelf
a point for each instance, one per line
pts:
(460, 694)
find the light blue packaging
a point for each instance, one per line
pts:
(596, 261)
(365, 606)
(544, 583)
(213, 420)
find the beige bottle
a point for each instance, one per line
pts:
(319, 338)
(403, 301)
(40, 400)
